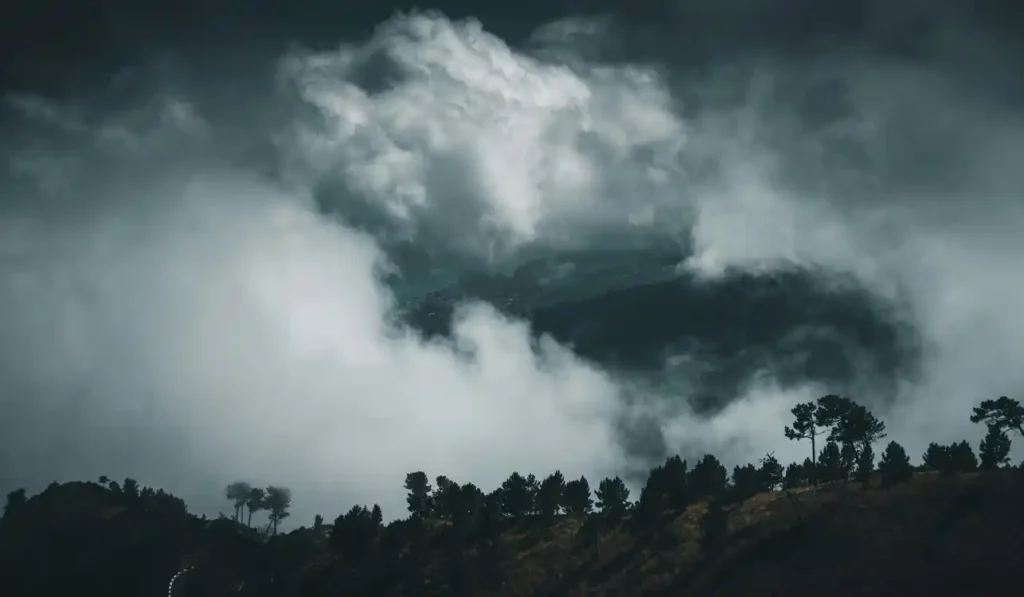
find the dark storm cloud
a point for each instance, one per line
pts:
(800, 325)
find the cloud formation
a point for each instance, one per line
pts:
(171, 311)
(462, 144)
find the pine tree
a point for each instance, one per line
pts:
(770, 474)
(613, 497)
(238, 493)
(550, 495)
(895, 465)
(745, 482)
(418, 499)
(675, 484)
(15, 502)
(962, 458)
(936, 458)
(995, 448)
(709, 478)
(806, 423)
(865, 464)
(255, 501)
(277, 502)
(517, 496)
(847, 461)
(577, 497)
(830, 467)
(794, 476)
(1005, 413)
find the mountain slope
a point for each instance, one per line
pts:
(958, 533)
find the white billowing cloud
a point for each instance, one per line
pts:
(749, 427)
(258, 333)
(463, 134)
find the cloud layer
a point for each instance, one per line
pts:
(170, 310)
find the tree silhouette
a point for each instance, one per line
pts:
(15, 502)
(795, 476)
(675, 483)
(650, 505)
(709, 477)
(445, 499)
(549, 495)
(852, 423)
(277, 502)
(947, 459)
(961, 457)
(995, 448)
(667, 488)
(613, 497)
(318, 523)
(1005, 413)
(470, 502)
(865, 464)
(517, 496)
(130, 488)
(847, 460)
(770, 473)
(255, 502)
(238, 493)
(936, 457)
(830, 410)
(491, 514)
(577, 498)
(533, 485)
(745, 482)
(830, 466)
(418, 499)
(894, 465)
(355, 534)
(376, 514)
(806, 425)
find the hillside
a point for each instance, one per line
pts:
(961, 533)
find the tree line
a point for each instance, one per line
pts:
(841, 434)
(469, 521)
(273, 499)
(846, 430)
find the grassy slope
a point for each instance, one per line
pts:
(933, 533)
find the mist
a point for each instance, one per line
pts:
(196, 290)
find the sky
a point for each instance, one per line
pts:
(199, 215)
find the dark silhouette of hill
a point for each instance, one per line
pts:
(836, 524)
